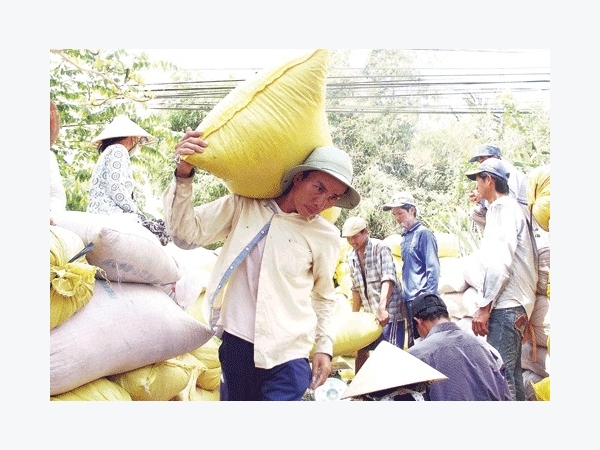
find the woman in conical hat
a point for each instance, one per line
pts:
(112, 186)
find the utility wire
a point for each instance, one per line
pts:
(439, 92)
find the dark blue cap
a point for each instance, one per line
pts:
(486, 150)
(492, 165)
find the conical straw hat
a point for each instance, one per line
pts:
(389, 367)
(123, 126)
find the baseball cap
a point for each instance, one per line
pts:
(353, 225)
(492, 165)
(400, 199)
(425, 301)
(486, 150)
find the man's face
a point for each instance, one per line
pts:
(359, 240)
(404, 218)
(316, 192)
(484, 187)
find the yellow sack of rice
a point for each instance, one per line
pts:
(266, 125)
(101, 389)
(160, 381)
(447, 245)
(332, 214)
(71, 277)
(394, 242)
(538, 195)
(355, 330)
(197, 394)
(208, 354)
(209, 379)
(542, 389)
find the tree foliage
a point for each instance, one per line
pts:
(90, 88)
(391, 151)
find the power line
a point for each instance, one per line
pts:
(438, 92)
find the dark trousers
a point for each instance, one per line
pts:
(241, 380)
(412, 328)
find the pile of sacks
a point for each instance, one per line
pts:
(116, 329)
(126, 320)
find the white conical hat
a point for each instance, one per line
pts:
(388, 367)
(123, 126)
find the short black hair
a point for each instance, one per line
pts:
(429, 307)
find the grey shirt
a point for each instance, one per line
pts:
(474, 368)
(508, 258)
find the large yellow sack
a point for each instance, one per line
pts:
(332, 214)
(355, 330)
(538, 195)
(209, 379)
(196, 309)
(208, 354)
(160, 381)
(197, 394)
(542, 390)
(447, 245)
(394, 242)
(71, 283)
(266, 125)
(101, 389)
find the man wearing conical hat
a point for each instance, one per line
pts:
(271, 294)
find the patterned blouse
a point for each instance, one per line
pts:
(111, 189)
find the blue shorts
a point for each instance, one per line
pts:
(241, 380)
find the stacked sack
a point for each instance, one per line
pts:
(71, 277)
(126, 338)
(535, 358)
(454, 289)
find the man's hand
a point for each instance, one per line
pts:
(480, 320)
(190, 144)
(321, 369)
(474, 196)
(383, 317)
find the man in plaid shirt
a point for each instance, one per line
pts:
(375, 284)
